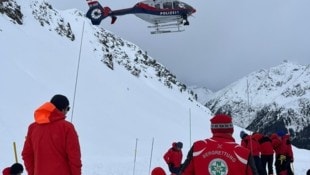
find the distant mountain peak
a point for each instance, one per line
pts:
(269, 100)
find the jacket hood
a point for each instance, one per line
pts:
(274, 136)
(47, 113)
(257, 136)
(174, 144)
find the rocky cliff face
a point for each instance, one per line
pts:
(270, 100)
(12, 10)
(107, 46)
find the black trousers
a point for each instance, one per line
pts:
(174, 170)
(267, 160)
(281, 166)
(258, 164)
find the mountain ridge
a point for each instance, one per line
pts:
(109, 44)
(269, 100)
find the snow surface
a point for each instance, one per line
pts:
(112, 110)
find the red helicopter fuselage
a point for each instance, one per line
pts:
(153, 11)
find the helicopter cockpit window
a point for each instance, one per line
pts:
(181, 5)
(167, 5)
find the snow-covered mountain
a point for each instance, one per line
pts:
(270, 100)
(126, 107)
(201, 94)
(121, 98)
(110, 48)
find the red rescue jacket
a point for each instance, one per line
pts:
(277, 144)
(173, 156)
(51, 146)
(287, 142)
(266, 146)
(251, 142)
(218, 155)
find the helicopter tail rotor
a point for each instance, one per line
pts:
(96, 13)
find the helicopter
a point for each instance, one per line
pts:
(165, 15)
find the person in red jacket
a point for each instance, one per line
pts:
(15, 169)
(267, 154)
(251, 142)
(219, 154)
(52, 146)
(289, 153)
(287, 141)
(173, 157)
(283, 153)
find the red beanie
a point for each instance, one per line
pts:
(222, 123)
(158, 171)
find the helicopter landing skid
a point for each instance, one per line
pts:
(166, 28)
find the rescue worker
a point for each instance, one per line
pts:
(251, 142)
(284, 153)
(267, 154)
(173, 157)
(219, 154)
(52, 145)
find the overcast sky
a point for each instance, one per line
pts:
(226, 39)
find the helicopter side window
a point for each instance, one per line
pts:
(157, 6)
(167, 5)
(176, 4)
